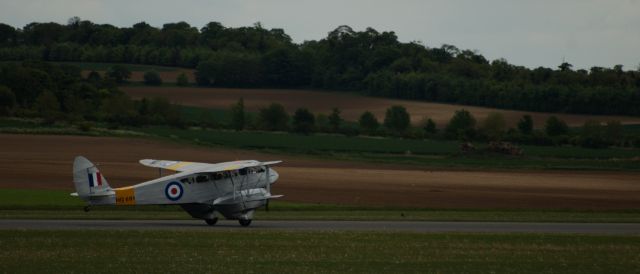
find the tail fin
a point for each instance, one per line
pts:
(88, 180)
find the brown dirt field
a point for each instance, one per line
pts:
(351, 105)
(41, 161)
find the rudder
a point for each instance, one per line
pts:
(88, 180)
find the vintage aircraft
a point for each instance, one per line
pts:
(234, 189)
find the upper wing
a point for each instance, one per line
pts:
(174, 165)
(203, 167)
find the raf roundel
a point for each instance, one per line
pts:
(173, 191)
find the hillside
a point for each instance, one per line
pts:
(346, 60)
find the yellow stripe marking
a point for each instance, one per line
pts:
(125, 196)
(233, 167)
(178, 165)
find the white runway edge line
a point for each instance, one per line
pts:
(409, 226)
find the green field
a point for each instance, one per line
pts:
(255, 251)
(433, 153)
(430, 153)
(57, 204)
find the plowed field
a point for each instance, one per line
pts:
(351, 105)
(41, 161)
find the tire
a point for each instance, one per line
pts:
(211, 222)
(244, 222)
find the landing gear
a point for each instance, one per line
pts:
(211, 221)
(244, 222)
(87, 208)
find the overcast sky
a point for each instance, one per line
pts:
(532, 33)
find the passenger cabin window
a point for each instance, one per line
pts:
(185, 180)
(202, 178)
(217, 176)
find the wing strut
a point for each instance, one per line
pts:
(266, 206)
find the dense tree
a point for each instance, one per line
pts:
(182, 80)
(303, 121)
(94, 77)
(494, 126)
(368, 122)
(368, 61)
(334, 119)
(555, 127)
(8, 34)
(152, 78)
(274, 117)
(429, 126)
(119, 73)
(48, 106)
(525, 124)
(119, 110)
(593, 135)
(238, 115)
(614, 132)
(397, 119)
(461, 126)
(7, 101)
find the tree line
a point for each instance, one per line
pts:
(371, 62)
(56, 93)
(60, 93)
(462, 126)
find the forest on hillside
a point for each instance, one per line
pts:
(371, 62)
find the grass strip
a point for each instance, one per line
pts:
(251, 251)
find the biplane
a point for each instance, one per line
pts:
(232, 189)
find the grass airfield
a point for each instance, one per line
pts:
(246, 251)
(240, 250)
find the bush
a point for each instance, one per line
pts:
(461, 126)
(94, 77)
(238, 115)
(303, 121)
(555, 127)
(592, 135)
(182, 80)
(494, 126)
(85, 126)
(152, 78)
(397, 119)
(119, 73)
(274, 117)
(429, 127)
(525, 125)
(368, 122)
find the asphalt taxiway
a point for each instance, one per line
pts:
(410, 226)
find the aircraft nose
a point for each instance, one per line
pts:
(273, 176)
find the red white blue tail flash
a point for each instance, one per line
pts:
(95, 179)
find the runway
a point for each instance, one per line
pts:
(382, 226)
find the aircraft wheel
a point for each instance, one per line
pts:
(211, 221)
(244, 222)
